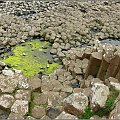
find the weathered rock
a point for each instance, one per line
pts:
(23, 95)
(99, 94)
(53, 77)
(40, 98)
(75, 103)
(9, 73)
(114, 82)
(113, 67)
(65, 115)
(87, 91)
(3, 114)
(46, 85)
(103, 67)
(67, 46)
(15, 116)
(53, 98)
(115, 114)
(96, 80)
(84, 64)
(20, 107)
(87, 52)
(2, 64)
(23, 82)
(38, 112)
(77, 90)
(34, 83)
(61, 54)
(94, 64)
(77, 70)
(30, 118)
(67, 88)
(8, 84)
(53, 51)
(95, 117)
(57, 86)
(45, 117)
(55, 45)
(6, 100)
(53, 113)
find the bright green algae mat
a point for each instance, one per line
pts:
(31, 58)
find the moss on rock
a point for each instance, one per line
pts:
(88, 113)
(31, 58)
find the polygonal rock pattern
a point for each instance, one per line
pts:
(65, 116)
(23, 82)
(67, 88)
(53, 112)
(15, 116)
(20, 107)
(34, 83)
(8, 84)
(75, 103)
(53, 98)
(23, 95)
(115, 114)
(46, 85)
(99, 94)
(6, 100)
(51, 85)
(38, 111)
(40, 98)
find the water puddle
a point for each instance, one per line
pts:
(32, 57)
(111, 41)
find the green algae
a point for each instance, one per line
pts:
(31, 58)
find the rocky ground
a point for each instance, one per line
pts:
(88, 80)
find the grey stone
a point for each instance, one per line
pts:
(23, 95)
(77, 70)
(38, 112)
(115, 114)
(9, 73)
(6, 100)
(20, 107)
(3, 114)
(55, 45)
(99, 94)
(53, 51)
(75, 103)
(45, 117)
(53, 113)
(8, 84)
(61, 54)
(34, 83)
(40, 98)
(67, 88)
(66, 116)
(23, 83)
(15, 116)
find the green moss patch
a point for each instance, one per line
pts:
(31, 58)
(88, 113)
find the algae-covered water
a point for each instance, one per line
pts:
(31, 58)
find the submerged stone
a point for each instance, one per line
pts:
(31, 58)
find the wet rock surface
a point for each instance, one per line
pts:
(89, 67)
